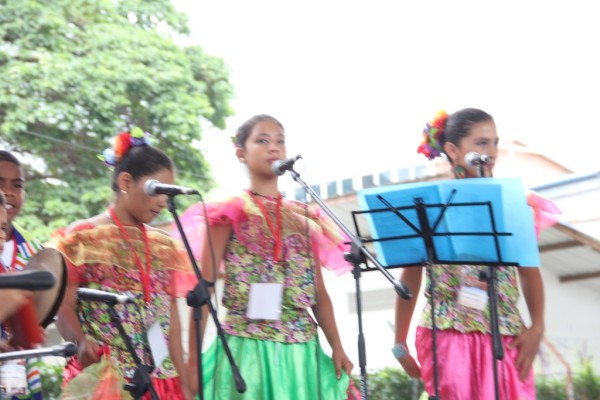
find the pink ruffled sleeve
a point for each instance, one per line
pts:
(330, 244)
(193, 221)
(545, 212)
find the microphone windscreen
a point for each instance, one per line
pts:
(28, 280)
(276, 167)
(149, 187)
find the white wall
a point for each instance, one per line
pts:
(572, 325)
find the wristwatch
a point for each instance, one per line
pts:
(400, 350)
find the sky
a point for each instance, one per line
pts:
(354, 82)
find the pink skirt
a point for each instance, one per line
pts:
(465, 369)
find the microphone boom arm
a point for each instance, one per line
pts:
(359, 250)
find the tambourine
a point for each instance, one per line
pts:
(41, 310)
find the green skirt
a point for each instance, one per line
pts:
(272, 371)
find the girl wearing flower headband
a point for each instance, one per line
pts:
(116, 251)
(463, 340)
(266, 242)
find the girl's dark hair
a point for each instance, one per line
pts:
(141, 161)
(458, 124)
(243, 132)
(2, 200)
(8, 156)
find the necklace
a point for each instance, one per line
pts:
(144, 273)
(266, 196)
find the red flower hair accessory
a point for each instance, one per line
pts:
(124, 142)
(433, 136)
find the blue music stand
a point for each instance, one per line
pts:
(474, 203)
(435, 223)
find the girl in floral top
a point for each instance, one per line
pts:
(268, 244)
(117, 252)
(464, 339)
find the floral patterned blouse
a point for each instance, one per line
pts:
(306, 236)
(99, 258)
(452, 315)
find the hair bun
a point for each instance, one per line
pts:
(433, 136)
(124, 142)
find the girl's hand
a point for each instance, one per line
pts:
(5, 346)
(410, 366)
(89, 352)
(341, 362)
(528, 343)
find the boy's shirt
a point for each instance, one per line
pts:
(15, 255)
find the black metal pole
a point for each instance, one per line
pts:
(356, 259)
(141, 381)
(497, 348)
(198, 297)
(427, 234)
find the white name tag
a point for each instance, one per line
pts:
(265, 301)
(472, 297)
(158, 344)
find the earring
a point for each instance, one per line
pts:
(124, 192)
(459, 171)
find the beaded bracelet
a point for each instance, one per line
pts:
(400, 350)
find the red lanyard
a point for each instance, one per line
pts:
(275, 230)
(145, 274)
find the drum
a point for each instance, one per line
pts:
(47, 302)
(27, 323)
(41, 310)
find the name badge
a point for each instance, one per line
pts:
(473, 294)
(264, 301)
(158, 344)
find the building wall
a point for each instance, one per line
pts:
(572, 326)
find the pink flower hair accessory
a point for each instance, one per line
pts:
(433, 136)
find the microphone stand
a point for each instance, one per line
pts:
(358, 255)
(490, 276)
(141, 381)
(66, 349)
(198, 297)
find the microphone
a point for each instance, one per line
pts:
(473, 159)
(280, 166)
(104, 297)
(29, 280)
(152, 187)
(66, 349)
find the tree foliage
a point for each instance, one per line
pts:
(74, 73)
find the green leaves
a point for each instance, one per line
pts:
(73, 74)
